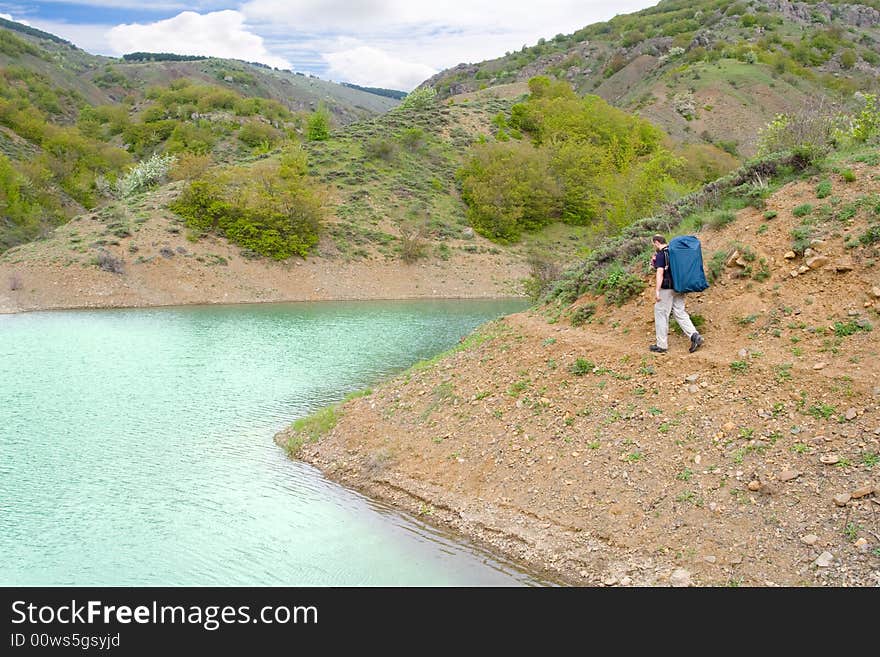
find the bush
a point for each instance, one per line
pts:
(379, 148)
(720, 218)
(420, 99)
(619, 285)
(582, 366)
(543, 270)
(145, 174)
(823, 189)
(257, 133)
(107, 262)
(813, 130)
(270, 209)
(582, 314)
(802, 210)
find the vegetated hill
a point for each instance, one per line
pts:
(714, 70)
(557, 437)
(100, 80)
(71, 123)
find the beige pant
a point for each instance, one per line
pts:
(671, 301)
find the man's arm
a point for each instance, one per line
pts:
(659, 283)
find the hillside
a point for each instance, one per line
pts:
(71, 123)
(555, 436)
(714, 71)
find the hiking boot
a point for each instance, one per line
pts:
(696, 342)
(656, 349)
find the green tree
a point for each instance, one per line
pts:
(318, 126)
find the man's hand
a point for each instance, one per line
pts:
(657, 297)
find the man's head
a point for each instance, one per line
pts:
(659, 242)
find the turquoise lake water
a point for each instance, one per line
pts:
(136, 447)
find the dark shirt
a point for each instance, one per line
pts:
(661, 259)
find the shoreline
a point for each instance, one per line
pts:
(488, 297)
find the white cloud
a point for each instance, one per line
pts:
(418, 36)
(10, 18)
(217, 34)
(375, 68)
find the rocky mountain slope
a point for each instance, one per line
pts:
(713, 71)
(572, 448)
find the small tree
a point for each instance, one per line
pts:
(318, 127)
(421, 98)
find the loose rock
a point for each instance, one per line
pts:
(824, 560)
(841, 499)
(680, 578)
(817, 262)
(810, 539)
(862, 492)
(788, 475)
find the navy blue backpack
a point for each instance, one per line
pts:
(686, 264)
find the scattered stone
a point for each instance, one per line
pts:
(817, 262)
(825, 560)
(754, 485)
(743, 353)
(809, 253)
(710, 559)
(803, 269)
(862, 544)
(810, 539)
(842, 265)
(610, 581)
(864, 491)
(790, 255)
(851, 414)
(732, 258)
(841, 499)
(626, 581)
(693, 378)
(794, 273)
(693, 388)
(788, 475)
(829, 459)
(875, 292)
(817, 243)
(819, 366)
(727, 427)
(680, 578)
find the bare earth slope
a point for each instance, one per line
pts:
(160, 266)
(754, 461)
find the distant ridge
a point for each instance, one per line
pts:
(26, 29)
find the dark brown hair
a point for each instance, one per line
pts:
(659, 238)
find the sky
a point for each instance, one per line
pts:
(393, 44)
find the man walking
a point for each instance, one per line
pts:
(668, 301)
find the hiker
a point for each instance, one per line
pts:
(668, 300)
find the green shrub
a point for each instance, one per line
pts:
(582, 314)
(802, 210)
(823, 190)
(870, 236)
(720, 218)
(582, 366)
(848, 175)
(771, 214)
(801, 236)
(256, 133)
(266, 209)
(619, 285)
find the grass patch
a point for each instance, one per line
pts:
(802, 210)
